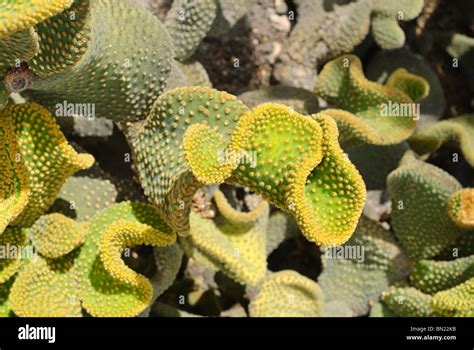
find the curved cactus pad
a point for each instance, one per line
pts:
(106, 286)
(46, 288)
(408, 302)
(455, 302)
(458, 130)
(461, 207)
(55, 235)
(112, 78)
(188, 22)
(299, 166)
(434, 276)
(287, 294)
(17, 239)
(14, 186)
(234, 243)
(164, 173)
(19, 47)
(18, 15)
(369, 112)
(45, 153)
(420, 192)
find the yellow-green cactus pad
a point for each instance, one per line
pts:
(164, 173)
(385, 16)
(415, 86)
(17, 48)
(119, 80)
(358, 272)
(434, 276)
(301, 100)
(205, 152)
(14, 185)
(380, 310)
(48, 158)
(455, 302)
(55, 235)
(13, 245)
(458, 131)
(461, 207)
(188, 22)
(18, 15)
(103, 293)
(233, 243)
(123, 234)
(300, 167)
(369, 112)
(420, 192)
(64, 38)
(46, 288)
(287, 294)
(408, 302)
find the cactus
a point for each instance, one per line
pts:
(21, 15)
(461, 207)
(104, 71)
(362, 117)
(16, 48)
(408, 302)
(188, 22)
(326, 207)
(458, 130)
(385, 15)
(433, 276)
(287, 294)
(228, 13)
(9, 265)
(455, 302)
(357, 281)
(45, 154)
(233, 243)
(420, 192)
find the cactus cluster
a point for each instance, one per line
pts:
(131, 187)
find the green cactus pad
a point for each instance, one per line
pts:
(357, 277)
(458, 130)
(5, 310)
(64, 39)
(303, 181)
(385, 15)
(47, 156)
(188, 22)
(55, 235)
(433, 276)
(455, 302)
(420, 192)
(461, 208)
(368, 110)
(233, 243)
(46, 288)
(121, 83)
(287, 294)
(19, 47)
(12, 243)
(14, 184)
(164, 174)
(408, 302)
(19, 15)
(414, 86)
(103, 293)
